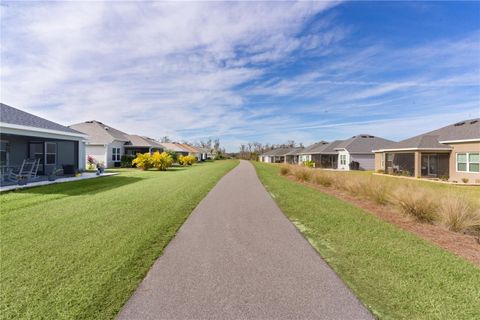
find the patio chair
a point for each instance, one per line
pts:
(28, 169)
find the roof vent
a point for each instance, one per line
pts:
(473, 121)
(459, 124)
(106, 128)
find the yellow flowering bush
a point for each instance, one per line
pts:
(161, 161)
(187, 160)
(143, 161)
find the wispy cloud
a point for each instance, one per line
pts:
(240, 71)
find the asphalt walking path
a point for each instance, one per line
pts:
(238, 257)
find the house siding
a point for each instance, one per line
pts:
(116, 144)
(96, 152)
(346, 165)
(366, 161)
(473, 177)
(379, 156)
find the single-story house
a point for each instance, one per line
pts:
(293, 157)
(26, 136)
(311, 152)
(357, 153)
(192, 151)
(278, 155)
(178, 148)
(451, 152)
(105, 143)
(138, 144)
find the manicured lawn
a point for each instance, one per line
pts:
(395, 273)
(79, 250)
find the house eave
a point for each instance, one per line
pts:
(413, 149)
(17, 129)
(461, 141)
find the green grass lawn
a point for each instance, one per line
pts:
(79, 250)
(393, 272)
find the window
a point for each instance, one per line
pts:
(3, 153)
(343, 159)
(382, 161)
(116, 154)
(51, 153)
(468, 162)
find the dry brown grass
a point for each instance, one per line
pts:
(449, 210)
(323, 179)
(459, 214)
(417, 203)
(285, 170)
(303, 174)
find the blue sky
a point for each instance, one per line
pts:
(251, 71)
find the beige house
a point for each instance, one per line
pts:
(451, 152)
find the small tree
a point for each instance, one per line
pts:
(143, 161)
(161, 161)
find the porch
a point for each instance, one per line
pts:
(53, 155)
(325, 161)
(422, 164)
(43, 181)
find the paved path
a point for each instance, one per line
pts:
(238, 257)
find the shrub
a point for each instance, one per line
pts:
(285, 170)
(186, 160)
(465, 180)
(309, 164)
(380, 171)
(323, 179)
(417, 203)
(303, 174)
(161, 161)
(444, 178)
(458, 214)
(126, 161)
(91, 163)
(143, 161)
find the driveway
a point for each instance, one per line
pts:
(238, 257)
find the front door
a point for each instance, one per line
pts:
(429, 165)
(36, 151)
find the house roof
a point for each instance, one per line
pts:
(16, 116)
(331, 147)
(173, 146)
(315, 148)
(468, 130)
(363, 143)
(278, 152)
(189, 148)
(100, 133)
(139, 141)
(295, 151)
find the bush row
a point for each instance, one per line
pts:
(457, 213)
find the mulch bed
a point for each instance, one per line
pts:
(464, 245)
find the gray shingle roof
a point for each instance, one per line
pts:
(100, 133)
(330, 148)
(13, 115)
(139, 141)
(278, 152)
(314, 148)
(295, 151)
(464, 130)
(363, 143)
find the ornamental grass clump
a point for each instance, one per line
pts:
(303, 174)
(378, 190)
(285, 170)
(323, 179)
(417, 203)
(459, 214)
(161, 161)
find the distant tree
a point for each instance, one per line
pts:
(165, 139)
